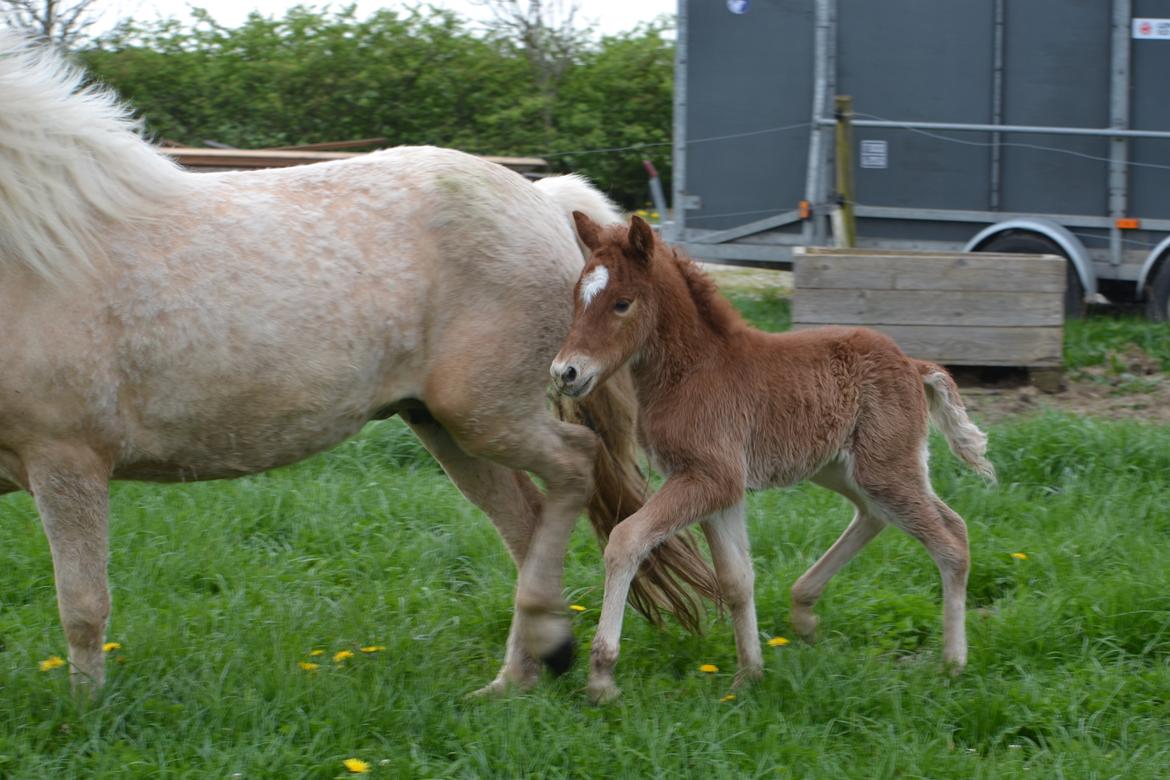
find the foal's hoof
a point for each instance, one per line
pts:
(561, 659)
(601, 693)
(804, 623)
(501, 687)
(745, 677)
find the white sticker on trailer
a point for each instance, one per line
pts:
(1151, 29)
(875, 154)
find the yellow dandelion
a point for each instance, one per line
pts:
(356, 765)
(777, 641)
(51, 663)
(373, 648)
(728, 697)
(308, 666)
(1020, 556)
(111, 646)
(708, 668)
(576, 607)
(342, 655)
(316, 653)
(653, 215)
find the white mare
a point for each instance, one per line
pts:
(161, 325)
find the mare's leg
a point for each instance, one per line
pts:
(809, 586)
(71, 488)
(683, 500)
(731, 551)
(511, 502)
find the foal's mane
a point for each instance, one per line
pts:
(71, 162)
(715, 310)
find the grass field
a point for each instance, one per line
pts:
(222, 590)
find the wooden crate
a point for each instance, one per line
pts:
(955, 308)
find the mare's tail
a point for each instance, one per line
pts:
(950, 415)
(675, 571)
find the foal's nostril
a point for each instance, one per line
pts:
(569, 375)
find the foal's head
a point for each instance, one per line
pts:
(614, 305)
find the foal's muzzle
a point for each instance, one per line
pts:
(572, 377)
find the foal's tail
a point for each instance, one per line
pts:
(675, 571)
(950, 415)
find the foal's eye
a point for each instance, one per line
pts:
(622, 306)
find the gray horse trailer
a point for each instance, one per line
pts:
(1036, 126)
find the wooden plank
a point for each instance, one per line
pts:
(975, 346)
(971, 272)
(917, 307)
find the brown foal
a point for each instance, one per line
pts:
(725, 408)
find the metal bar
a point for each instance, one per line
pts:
(957, 215)
(678, 170)
(997, 57)
(813, 230)
(1104, 132)
(1119, 120)
(759, 226)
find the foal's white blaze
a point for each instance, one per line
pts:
(594, 283)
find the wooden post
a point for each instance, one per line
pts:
(845, 171)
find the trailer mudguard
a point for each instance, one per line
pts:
(1073, 249)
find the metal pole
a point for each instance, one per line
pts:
(1119, 120)
(994, 199)
(845, 172)
(963, 127)
(813, 231)
(678, 169)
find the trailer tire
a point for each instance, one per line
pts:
(1014, 241)
(1158, 294)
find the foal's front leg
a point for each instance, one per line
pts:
(727, 537)
(683, 500)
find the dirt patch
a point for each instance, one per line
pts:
(1128, 386)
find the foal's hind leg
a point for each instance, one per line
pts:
(71, 489)
(910, 504)
(731, 551)
(512, 503)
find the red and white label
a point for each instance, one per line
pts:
(1151, 29)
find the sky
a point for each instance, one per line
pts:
(606, 16)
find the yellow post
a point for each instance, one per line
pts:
(845, 170)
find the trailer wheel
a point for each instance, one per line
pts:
(1158, 297)
(1013, 241)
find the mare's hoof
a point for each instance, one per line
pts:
(804, 623)
(603, 693)
(745, 677)
(561, 659)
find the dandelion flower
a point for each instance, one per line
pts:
(576, 607)
(728, 697)
(309, 667)
(373, 648)
(111, 646)
(315, 653)
(51, 663)
(708, 668)
(356, 765)
(1020, 556)
(342, 655)
(653, 215)
(777, 641)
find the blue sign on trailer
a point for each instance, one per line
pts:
(1007, 126)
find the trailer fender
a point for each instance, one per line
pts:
(1150, 265)
(1073, 249)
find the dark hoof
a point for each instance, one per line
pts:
(561, 660)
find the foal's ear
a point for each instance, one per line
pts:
(641, 237)
(587, 230)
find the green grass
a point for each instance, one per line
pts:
(220, 589)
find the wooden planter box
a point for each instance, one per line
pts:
(954, 308)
